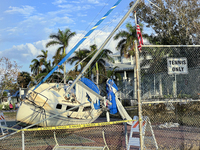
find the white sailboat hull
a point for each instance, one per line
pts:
(29, 114)
(47, 101)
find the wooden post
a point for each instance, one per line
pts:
(138, 94)
(23, 144)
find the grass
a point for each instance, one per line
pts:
(10, 115)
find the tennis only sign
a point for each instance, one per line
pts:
(177, 66)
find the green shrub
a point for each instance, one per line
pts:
(14, 106)
(1, 106)
(7, 107)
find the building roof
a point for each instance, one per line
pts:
(16, 94)
(116, 54)
(120, 66)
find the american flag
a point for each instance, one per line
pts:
(139, 35)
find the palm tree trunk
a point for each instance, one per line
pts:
(64, 67)
(97, 74)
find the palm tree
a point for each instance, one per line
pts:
(112, 74)
(126, 44)
(44, 55)
(47, 67)
(85, 55)
(79, 57)
(35, 67)
(100, 60)
(23, 79)
(62, 39)
(127, 40)
(56, 60)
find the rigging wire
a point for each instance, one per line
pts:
(90, 24)
(116, 17)
(100, 31)
(77, 45)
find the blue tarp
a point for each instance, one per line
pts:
(111, 96)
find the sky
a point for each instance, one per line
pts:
(26, 26)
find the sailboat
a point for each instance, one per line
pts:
(78, 106)
(79, 102)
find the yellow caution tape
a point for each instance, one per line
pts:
(76, 126)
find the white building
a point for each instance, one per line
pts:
(125, 66)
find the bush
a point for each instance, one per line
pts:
(14, 106)
(7, 107)
(1, 107)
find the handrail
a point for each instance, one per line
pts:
(33, 99)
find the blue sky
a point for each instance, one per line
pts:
(26, 25)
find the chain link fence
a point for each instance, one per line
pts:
(170, 101)
(157, 83)
(107, 137)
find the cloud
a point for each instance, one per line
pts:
(72, 8)
(25, 10)
(97, 37)
(63, 20)
(32, 48)
(25, 53)
(93, 1)
(11, 30)
(44, 24)
(81, 15)
(82, 2)
(67, 6)
(59, 2)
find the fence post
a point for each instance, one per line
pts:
(23, 147)
(126, 135)
(138, 95)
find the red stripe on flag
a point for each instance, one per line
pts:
(139, 36)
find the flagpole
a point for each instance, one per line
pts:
(138, 90)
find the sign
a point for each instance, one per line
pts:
(3, 124)
(177, 65)
(134, 139)
(22, 92)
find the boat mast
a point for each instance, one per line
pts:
(77, 45)
(102, 46)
